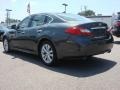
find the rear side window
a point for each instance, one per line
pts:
(24, 23)
(37, 20)
(48, 19)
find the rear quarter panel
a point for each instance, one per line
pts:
(55, 32)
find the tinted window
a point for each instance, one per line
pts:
(37, 20)
(72, 17)
(24, 23)
(48, 19)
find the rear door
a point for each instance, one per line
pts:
(37, 25)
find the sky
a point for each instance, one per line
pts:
(19, 7)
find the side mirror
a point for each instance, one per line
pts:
(13, 27)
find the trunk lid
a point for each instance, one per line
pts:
(98, 29)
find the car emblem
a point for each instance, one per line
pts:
(100, 24)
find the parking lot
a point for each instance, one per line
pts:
(21, 71)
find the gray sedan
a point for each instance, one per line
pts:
(56, 36)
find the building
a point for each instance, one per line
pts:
(106, 19)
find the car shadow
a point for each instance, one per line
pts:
(116, 42)
(73, 67)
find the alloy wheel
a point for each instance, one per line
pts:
(47, 53)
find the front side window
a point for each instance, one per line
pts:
(24, 23)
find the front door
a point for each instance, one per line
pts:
(21, 34)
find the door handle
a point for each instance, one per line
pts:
(39, 31)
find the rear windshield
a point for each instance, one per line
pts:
(73, 17)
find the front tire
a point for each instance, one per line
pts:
(6, 45)
(48, 53)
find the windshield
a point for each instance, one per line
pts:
(73, 17)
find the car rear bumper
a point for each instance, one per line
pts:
(94, 50)
(73, 49)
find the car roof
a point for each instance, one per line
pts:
(51, 14)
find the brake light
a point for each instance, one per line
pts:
(78, 31)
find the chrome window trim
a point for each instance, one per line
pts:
(99, 28)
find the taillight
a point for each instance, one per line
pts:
(78, 31)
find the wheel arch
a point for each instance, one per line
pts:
(45, 39)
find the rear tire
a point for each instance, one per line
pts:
(48, 53)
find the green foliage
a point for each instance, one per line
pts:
(87, 13)
(12, 20)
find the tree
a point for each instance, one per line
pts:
(87, 13)
(10, 20)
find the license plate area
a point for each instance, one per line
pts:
(99, 32)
